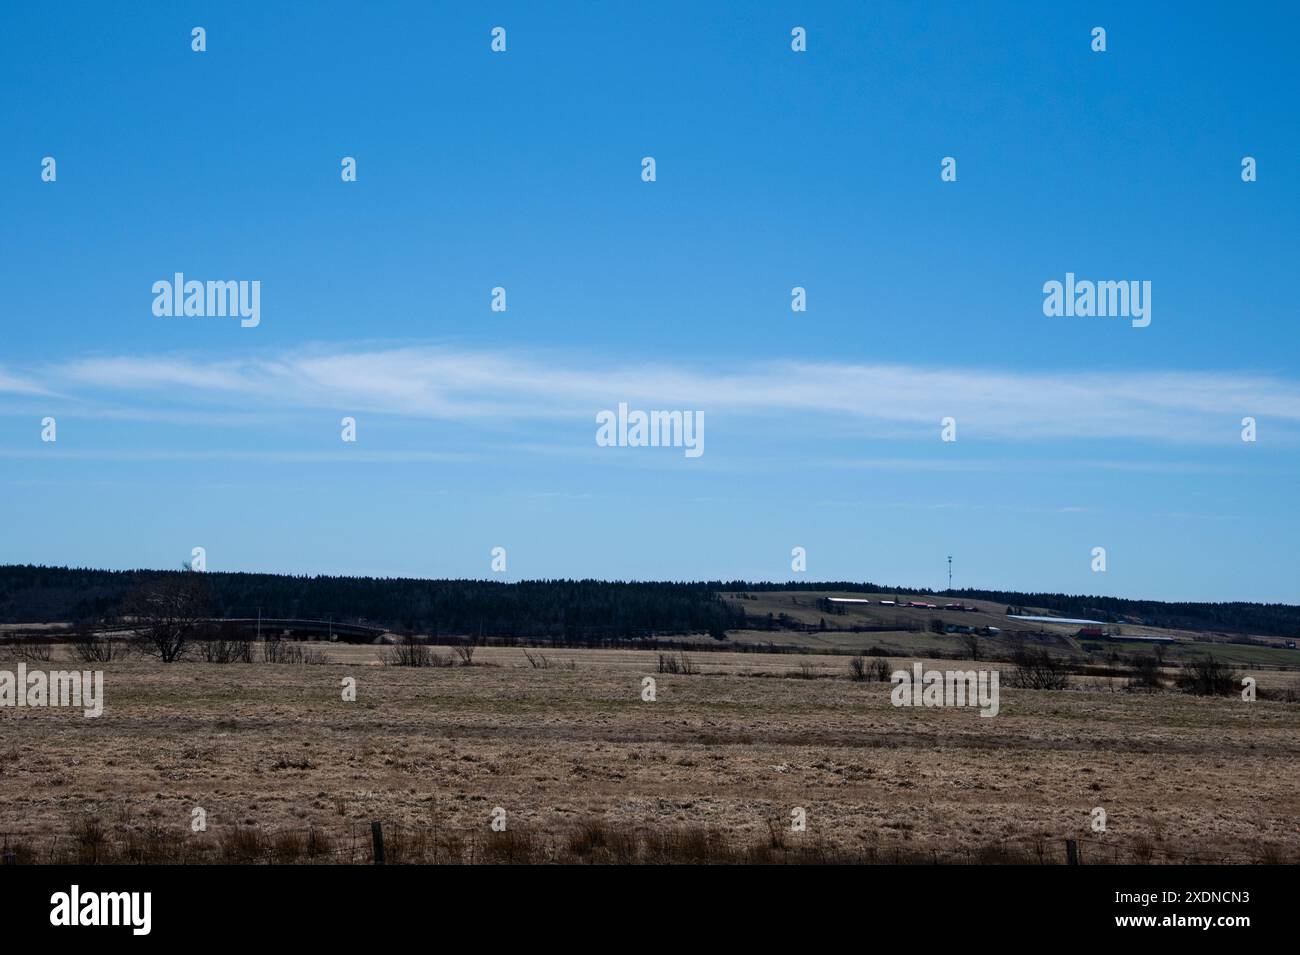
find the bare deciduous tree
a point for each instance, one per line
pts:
(168, 613)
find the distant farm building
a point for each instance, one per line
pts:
(1070, 620)
(1138, 638)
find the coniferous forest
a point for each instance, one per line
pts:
(572, 610)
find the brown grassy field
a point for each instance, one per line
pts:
(586, 770)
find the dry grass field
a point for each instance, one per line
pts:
(285, 769)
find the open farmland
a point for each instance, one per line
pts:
(801, 620)
(586, 770)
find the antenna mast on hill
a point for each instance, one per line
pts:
(950, 571)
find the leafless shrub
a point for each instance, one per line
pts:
(28, 651)
(1209, 677)
(466, 653)
(275, 651)
(409, 653)
(1146, 674)
(89, 646)
(540, 661)
(215, 651)
(282, 651)
(678, 663)
(858, 669)
(882, 671)
(537, 661)
(1037, 669)
(222, 650)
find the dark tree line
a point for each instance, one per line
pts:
(569, 610)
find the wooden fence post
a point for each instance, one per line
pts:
(377, 834)
(1071, 851)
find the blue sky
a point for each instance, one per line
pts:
(775, 169)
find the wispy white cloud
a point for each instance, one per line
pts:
(19, 386)
(349, 456)
(491, 387)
